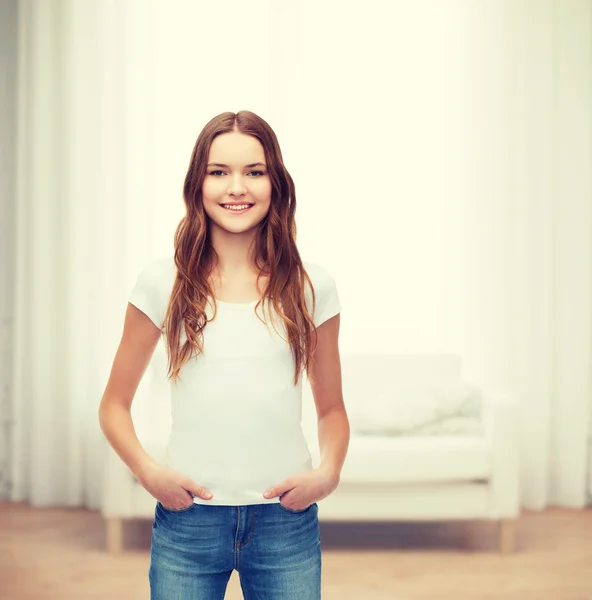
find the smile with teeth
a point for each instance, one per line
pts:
(236, 207)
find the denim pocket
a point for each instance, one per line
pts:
(175, 510)
(291, 510)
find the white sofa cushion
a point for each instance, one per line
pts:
(385, 459)
(454, 425)
(421, 408)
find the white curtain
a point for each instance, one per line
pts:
(441, 154)
(8, 50)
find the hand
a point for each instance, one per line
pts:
(171, 488)
(301, 490)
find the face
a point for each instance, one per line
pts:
(236, 174)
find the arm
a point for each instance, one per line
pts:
(333, 426)
(138, 342)
(325, 382)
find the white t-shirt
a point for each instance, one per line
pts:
(236, 414)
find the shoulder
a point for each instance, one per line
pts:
(159, 273)
(153, 286)
(319, 275)
(159, 267)
(155, 279)
(327, 302)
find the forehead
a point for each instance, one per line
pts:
(236, 148)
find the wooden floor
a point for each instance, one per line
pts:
(59, 554)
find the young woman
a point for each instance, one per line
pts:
(242, 316)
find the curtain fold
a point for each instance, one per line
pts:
(85, 222)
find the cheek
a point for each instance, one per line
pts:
(262, 190)
(210, 188)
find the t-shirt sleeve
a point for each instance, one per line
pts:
(327, 297)
(146, 294)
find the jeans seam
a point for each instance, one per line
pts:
(236, 552)
(251, 531)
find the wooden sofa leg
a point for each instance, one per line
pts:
(506, 535)
(115, 535)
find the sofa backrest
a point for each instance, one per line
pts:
(363, 373)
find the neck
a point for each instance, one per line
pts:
(234, 252)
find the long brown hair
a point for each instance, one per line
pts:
(275, 252)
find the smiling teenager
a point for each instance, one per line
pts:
(243, 318)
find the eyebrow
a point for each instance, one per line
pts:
(246, 166)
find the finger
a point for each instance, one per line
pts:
(278, 490)
(199, 491)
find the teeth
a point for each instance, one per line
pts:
(237, 207)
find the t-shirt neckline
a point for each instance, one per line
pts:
(236, 305)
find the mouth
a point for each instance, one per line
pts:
(237, 208)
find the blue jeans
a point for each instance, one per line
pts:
(275, 550)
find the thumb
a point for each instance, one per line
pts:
(278, 490)
(199, 491)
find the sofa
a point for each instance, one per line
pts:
(424, 446)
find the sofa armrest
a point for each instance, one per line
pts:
(500, 419)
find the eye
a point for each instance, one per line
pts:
(259, 173)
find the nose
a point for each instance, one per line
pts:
(237, 187)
